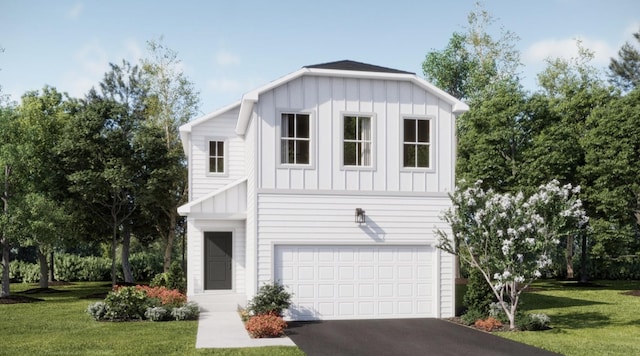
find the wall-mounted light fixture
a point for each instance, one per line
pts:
(360, 218)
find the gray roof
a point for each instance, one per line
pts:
(357, 66)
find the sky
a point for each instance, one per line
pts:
(229, 47)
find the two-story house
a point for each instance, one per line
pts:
(331, 181)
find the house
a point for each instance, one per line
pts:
(330, 180)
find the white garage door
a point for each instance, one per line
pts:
(357, 282)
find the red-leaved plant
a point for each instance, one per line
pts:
(488, 324)
(164, 295)
(265, 325)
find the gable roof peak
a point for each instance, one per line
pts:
(356, 66)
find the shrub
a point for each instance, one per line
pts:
(170, 297)
(145, 265)
(189, 311)
(488, 324)
(97, 310)
(267, 325)
(533, 322)
(157, 314)
(479, 295)
(174, 279)
(25, 272)
(471, 316)
(271, 299)
(126, 303)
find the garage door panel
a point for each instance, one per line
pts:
(352, 282)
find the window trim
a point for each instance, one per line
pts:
(225, 156)
(312, 139)
(432, 143)
(372, 116)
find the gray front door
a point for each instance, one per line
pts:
(217, 260)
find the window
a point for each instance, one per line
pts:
(417, 143)
(357, 141)
(294, 138)
(216, 156)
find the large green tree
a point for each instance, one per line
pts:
(173, 101)
(624, 72)
(612, 166)
(106, 170)
(9, 158)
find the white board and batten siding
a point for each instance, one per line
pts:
(292, 226)
(221, 127)
(327, 99)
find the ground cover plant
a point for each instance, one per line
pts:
(60, 319)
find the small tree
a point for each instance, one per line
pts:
(508, 238)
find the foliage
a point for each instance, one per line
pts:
(265, 325)
(157, 314)
(145, 265)
(624, 72)
(189, 311)
(167, 297)
(488, 324)
(479, 295)
(20, 271)
(97, 310)
(471, 316)
(534, 322)
(174, 279)
(508, 238)
(270, 299)
(126, 303)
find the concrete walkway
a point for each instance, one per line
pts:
(220, 325)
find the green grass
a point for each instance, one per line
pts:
(60, 326)
(597, 320)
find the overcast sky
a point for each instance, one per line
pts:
(230, 47)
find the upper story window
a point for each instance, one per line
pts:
(295, 138)
(416, 143)
(216, 157)
(357, 145)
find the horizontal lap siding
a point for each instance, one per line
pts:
(327, 99)
(318, 219)
(221, 127)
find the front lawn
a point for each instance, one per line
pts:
(596, 320)
(59, 325)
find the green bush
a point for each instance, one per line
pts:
(72, 268)
(126, 303)
(471, 316)
(189, 311)
(533, 322)
(97, 310)
(479, 295)
(144, 265)
(174, 279)
(157, 314)
(271, 299)
(20, 271)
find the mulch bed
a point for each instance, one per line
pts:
(635, 293)
(17, 299)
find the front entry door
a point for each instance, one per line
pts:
(217, 260)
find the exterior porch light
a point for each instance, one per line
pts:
(360, 217)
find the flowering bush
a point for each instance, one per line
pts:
(164, 295)
(126, 303)
(266, 325)
(510, 238)
(534, 322)
(488, 324)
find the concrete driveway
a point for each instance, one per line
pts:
(401, 337)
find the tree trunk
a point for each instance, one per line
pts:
(114, 240)
(171, 237)
(44, 268)
(126, 247)
(570, 241)
(4, 241)
(5, 266)
(583, 259)
(52, 276)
